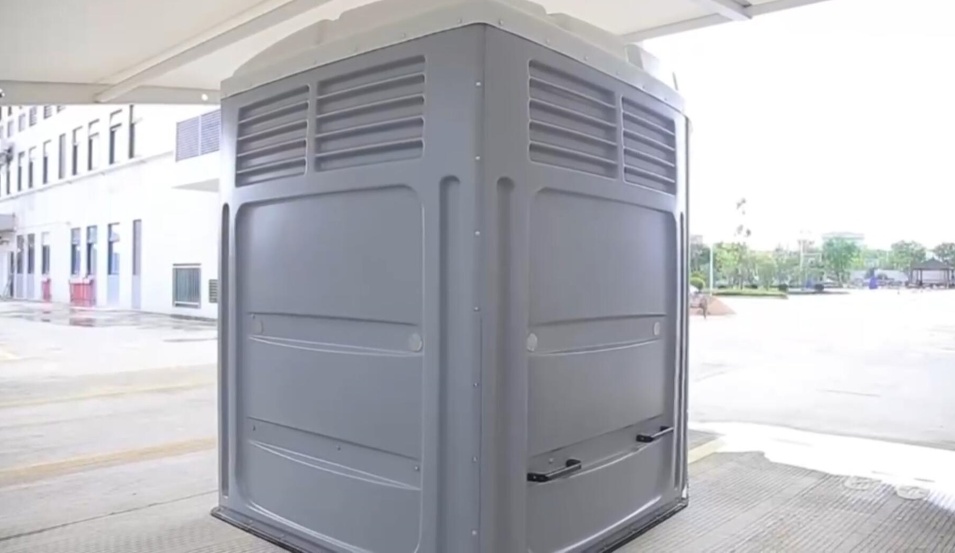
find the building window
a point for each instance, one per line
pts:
(47, 112)
(60, 108)
(22, 122)
(20, 172)
(76, 151)
(112, 247)
(75, 252)
(115, 125)
(45, 168)
(20, 255)
(10, 128)
(92, 146)
(7, 171)
(33, 116)
(30, 163)
(133, 123)
(91, 250)
(45, 253)
(1, 132)
(31, 254)
(61, 159)
(186, 286)
(137, 246)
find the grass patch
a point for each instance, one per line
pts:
(748, 293)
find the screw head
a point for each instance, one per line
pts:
(531, 342)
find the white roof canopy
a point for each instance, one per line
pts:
(179, 51)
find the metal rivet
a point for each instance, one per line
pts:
(477, 158)
(656, 329)
(339, 448)
(460, 20)
(476, 308)
(417, 468)
(475, 384)
(477, 83)
(415, 343)
(477, 233)
(500, 22)
(531, 342)
(551, 460)
(546, 41)
(473, 532)
(474, 459)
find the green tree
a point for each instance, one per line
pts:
(874, 259)
(726, 261)
(945, 252)
(699, 258)
(764, 267)
(787, 265)
(838, 257)
(904, 254)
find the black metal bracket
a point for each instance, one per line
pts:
(571, 466)
(649, 438)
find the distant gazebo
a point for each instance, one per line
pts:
(933, 272)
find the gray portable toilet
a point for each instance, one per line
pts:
(453, 276)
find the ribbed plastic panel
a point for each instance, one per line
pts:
(371, 116)
(649, 147)
(573, 124)
(272, 138)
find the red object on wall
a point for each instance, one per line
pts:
(83, 292)
(47, 290)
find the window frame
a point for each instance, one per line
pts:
(92, 141)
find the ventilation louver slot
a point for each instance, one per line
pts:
(573, 124)
(649, 148)
(372, 116)
(272, 137)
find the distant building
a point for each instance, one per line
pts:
(856, 237)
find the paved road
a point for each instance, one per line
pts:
(873, 364)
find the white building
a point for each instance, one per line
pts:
(110, 206)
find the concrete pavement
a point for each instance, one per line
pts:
(108, 422)
(874, 364)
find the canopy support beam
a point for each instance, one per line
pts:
(25, 93)
(248, 23)
(728, 9)
(713, 19)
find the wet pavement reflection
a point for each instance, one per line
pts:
(84, 317)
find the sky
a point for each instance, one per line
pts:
(834, 117)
